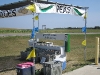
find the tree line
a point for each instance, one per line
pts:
(96, 27)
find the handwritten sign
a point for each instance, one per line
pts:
(14, 12)
(63, 9)
(7, 13)
(51, 36)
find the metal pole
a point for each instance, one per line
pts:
(33, 21)
(38, 21)
(97, 51)
(33, 42)
(85, 35)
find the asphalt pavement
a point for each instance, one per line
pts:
(14, 34)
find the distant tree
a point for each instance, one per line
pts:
(97, 27)
(47, 28)
(69, 27)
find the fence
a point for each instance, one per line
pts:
(10, 48)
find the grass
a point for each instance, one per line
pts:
(12, 45)
(10, 48)
(75, 58)
(12, 30)
(69, 31)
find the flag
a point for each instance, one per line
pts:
(31, 8)
(32, 34)
(85, 16)
(32, 54)
(36, 17)
(84, 43)
(84, 29)
(36, 29)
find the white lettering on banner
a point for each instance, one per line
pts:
(7, 13)
(50, 36)
(63, 9)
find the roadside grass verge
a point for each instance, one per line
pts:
(12, 30)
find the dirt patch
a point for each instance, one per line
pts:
(10, 62)
(12, 72)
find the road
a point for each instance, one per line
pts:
(14, 34)
(28, 34)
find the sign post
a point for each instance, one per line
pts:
(85, 17)
(97, 51)
(67, 43)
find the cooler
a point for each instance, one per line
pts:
(27, 68)
(62, 58)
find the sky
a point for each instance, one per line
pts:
(55, 20)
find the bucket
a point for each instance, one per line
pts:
(27, 68)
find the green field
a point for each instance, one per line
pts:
(12, 30)
(69, 31)
(9, 30)
(10, 48)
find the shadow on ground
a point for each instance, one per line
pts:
(9, 62)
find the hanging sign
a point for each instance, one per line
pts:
(42, 8)
(59, 9)
(50, 36)
(14, 12)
